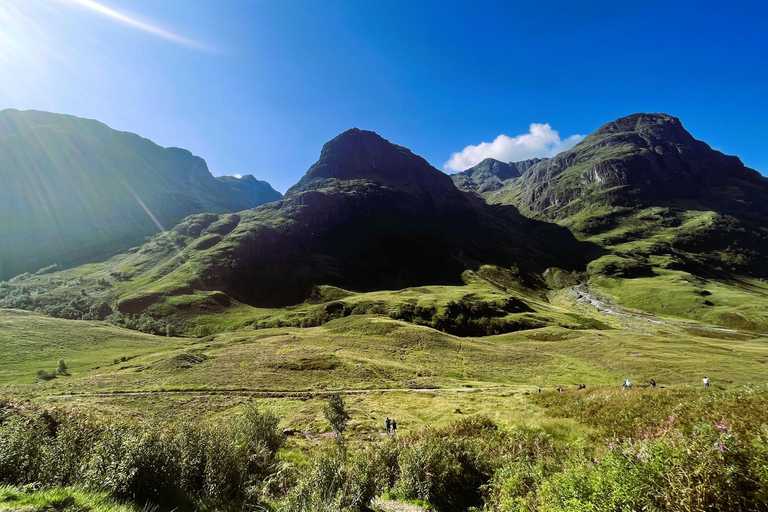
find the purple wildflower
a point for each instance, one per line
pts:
(723, 427)
(720, 447)
(671, 419)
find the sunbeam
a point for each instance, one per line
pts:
(133, 22)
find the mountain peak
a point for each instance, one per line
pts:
(496, 167)
(365, 155)
(637, 158)
(486, 176)
(658, 127)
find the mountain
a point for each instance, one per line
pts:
(360, 155)
(75, 190)
(638, 159)
(490, 174)
(646, 188)
(259, 192)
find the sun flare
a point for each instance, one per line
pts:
(133, 22)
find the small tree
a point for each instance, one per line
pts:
(335, 411)
(62, 370)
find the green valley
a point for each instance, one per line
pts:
(494, 314)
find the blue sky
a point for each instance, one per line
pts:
(257, 86)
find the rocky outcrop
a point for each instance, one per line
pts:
(527, 164)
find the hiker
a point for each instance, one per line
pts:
(706, 382)
(394, 426)
(560, 389)
(582, 386)
(626, 384)
(538, 390)
(387, 424)
(653, 383)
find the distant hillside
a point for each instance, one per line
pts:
(260, 192)
(490, 174)
(74, 190)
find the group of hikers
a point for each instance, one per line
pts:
(626, 384)
(391, 424)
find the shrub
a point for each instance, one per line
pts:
(145, 462)
(708, 471)
(22, 443)
(66, 455)
(514, 486)
(45, 375)
(334, 483)
(446, 471)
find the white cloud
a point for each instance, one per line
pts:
(541, 141)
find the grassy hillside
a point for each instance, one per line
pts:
(367, 352)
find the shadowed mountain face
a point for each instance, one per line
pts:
(372, 215)
(364, 155)
(75, 190)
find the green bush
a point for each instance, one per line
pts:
(163, 463)
(514, 486)
(446, 471)
(711, 470)
(335, 413)
(22, 444)
(334, 483)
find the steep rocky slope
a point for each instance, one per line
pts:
(368, 215)
(75, 190)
